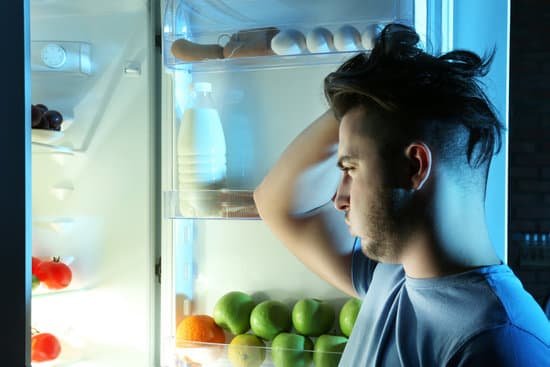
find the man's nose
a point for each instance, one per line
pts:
(341, 198)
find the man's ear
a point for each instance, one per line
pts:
(419, 157)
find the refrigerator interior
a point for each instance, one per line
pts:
(93, 182)
(264, 101)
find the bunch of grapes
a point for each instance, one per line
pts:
(42, 118)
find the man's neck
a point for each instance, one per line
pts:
(428, 258)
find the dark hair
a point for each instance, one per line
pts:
(418, 89)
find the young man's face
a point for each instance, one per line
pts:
(371, 203)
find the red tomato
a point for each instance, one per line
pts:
(35, 262)
(44, 347)
(54, 274)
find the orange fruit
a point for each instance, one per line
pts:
(199, 328)
(194, 330)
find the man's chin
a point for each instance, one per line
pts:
(378, 252)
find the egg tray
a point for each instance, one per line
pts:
(274, 41)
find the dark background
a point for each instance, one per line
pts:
(529, 154)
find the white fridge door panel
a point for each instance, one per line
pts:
(93, 191)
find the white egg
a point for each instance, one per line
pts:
(320, 40)
(368, 37)
(289, 42)
(347, 38)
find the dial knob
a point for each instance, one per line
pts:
(54, 56)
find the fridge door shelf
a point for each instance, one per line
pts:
(210, 204)
(45, 136)
(42, 291)
(225, 355)
(217, 35)
(264, 62)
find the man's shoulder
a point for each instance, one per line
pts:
(520, 308)
(508, 327)
(506, 345)
(455, 310)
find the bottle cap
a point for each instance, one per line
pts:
(202, 87)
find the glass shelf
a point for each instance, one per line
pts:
(265, 62)
(210, 204)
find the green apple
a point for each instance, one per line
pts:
(328, 350)
(291, 350)
(270, 318)
(232, 312)
(348, 315)
(312, 317)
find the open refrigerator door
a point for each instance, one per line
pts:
(93, 184)
(264, 66)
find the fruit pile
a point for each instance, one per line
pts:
(297, 336)
(45, 119)
(52, 273)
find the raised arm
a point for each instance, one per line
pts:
(318, 238)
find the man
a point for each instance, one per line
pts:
(415, 135)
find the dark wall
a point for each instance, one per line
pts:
(530, 144)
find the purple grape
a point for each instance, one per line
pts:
(44, 124)
(54, 119)
(36, 115)
(42, 107)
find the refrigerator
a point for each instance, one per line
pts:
(103, 195)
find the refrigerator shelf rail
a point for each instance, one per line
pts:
(265, 62)
(210, 204)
